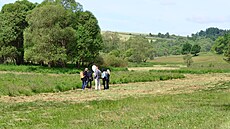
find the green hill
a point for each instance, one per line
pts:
(164, 44)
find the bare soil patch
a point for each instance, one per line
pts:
(187, 85)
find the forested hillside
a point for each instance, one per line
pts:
(118, 44)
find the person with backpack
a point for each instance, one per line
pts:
(107, 78)
(84, 78)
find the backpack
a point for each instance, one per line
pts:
(99, 74)
(106, 75)
(103, 75)
(81, 74)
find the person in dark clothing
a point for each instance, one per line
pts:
(90, 79)
(105, 78)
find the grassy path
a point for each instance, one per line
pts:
(176, 86)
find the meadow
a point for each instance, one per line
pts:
(19, 83)
(194, 97)
(206, 106)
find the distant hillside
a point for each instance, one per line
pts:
(164, 44)
(124, 36)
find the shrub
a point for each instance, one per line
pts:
(111, 60)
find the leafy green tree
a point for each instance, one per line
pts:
(140, 48)
(61, 31)
(205, 44)
(227, 53)
(186, 48)
(175, 50)
(167, 35)
(70, 5)
(89, 39)
(221, 44)
(111, 41)
(12, 25)
(47, 36)
(195, 49)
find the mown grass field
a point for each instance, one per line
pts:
(176, 106)
(184, 98)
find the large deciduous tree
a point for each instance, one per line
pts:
(89, 40)
(60, 31)
(48, 35)
(12, 25)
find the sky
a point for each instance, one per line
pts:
(179, 17)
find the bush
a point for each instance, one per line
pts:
(111, 60)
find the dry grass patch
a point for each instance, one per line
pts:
(156, 67)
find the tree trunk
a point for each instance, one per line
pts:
(20, 59)
(77, 64)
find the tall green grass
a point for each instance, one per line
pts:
(28, 84)
(14, 84)
(141, 76)
(55, 70)
(38, 69)
(204, 109)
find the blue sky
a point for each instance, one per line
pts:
(179, 17)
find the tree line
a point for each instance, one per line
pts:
(51, 33)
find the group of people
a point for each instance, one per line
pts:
(87, 76)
